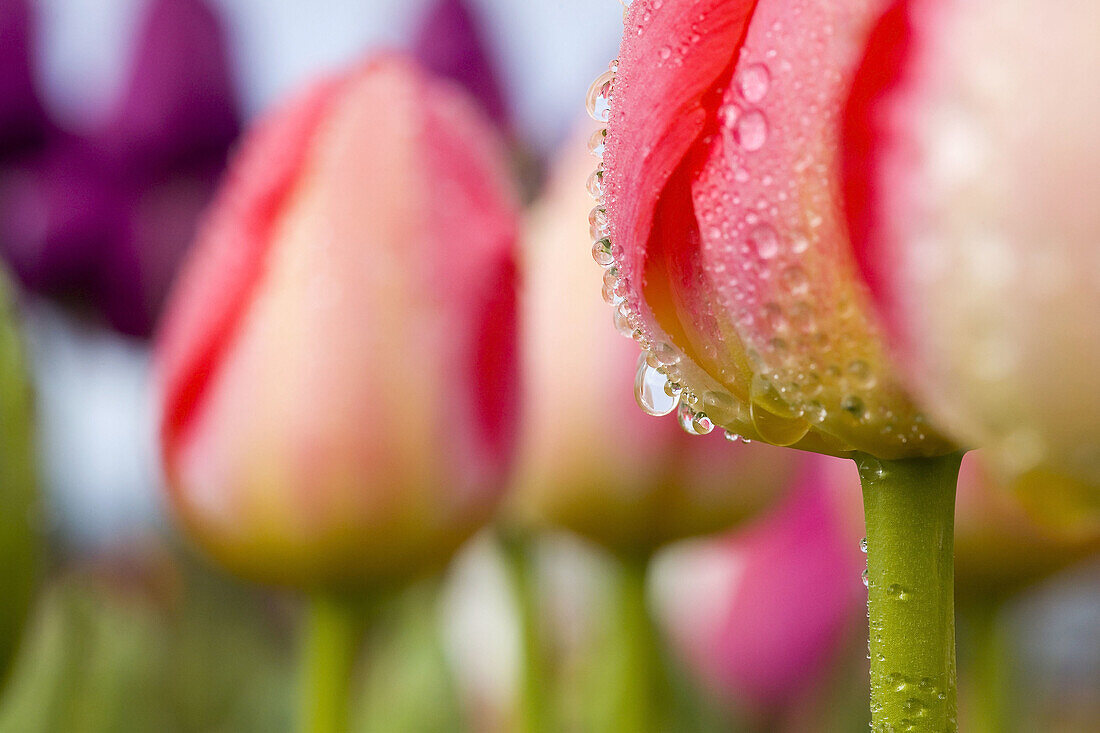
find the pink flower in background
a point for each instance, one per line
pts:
(971, 158)
(591, 461)
(339, 364)
(101, 220)
(760, 614)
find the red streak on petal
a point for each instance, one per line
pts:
(865, 134)
(227, 262)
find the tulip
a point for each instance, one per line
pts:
(338, 363)
(722, 229)
(971, 160)
(104, 219)
(22, 120)
(18, 535)
(759, 614)
(449, 43)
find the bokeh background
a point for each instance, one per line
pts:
(132, 631)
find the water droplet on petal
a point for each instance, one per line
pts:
(754, 82)
(649, 390)
(601, 253)
(595, 184)
(751, 131)
(598, 143)
(598, 101)
(863, 545)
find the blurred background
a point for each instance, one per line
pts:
(102, 182)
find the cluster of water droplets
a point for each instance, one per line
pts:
(658, 384)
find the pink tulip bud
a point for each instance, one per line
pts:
(722, 195)
(971, 155)
(760, 614)
(590, 460)
(338, 360)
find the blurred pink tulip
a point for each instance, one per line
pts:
(971, 156)
(338, 362)
(722, 204)
(759, 615)
(591, 460)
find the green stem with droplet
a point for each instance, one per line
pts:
(333, 633)
(909, 508)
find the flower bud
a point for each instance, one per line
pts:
(761, 613)
(722, 191)
(971, 156)
(590, 460)
(338, 361)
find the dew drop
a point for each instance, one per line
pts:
(665, 53)
(595, 184)
(601, 253)
(866, 577)
(863, 545)
(598, 143)
(775, 429)
(754, 82)
(853, 405)
(649, 390)
(765, 241)
(598, 101)
(751, 130)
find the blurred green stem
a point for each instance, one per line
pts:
(909, 507)
(333, 633)
(639, 685)
(534, 705)
(990, 658)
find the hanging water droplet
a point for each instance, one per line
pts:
(595, 184)
(598, 143)
(601, 253)
(731, 437)
(775, 429)
(754, 82)
(866, 578)
(863, 545)
(649, 390)
(598, 224)
(752, 130)
(598, 101)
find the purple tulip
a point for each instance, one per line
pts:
(22, 120)
(450, 44)
(102, 221)
(179, 107)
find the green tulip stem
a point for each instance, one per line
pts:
(989, 702)
(638, 680)
(333, 634)
(533, 703)
(909, 507)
